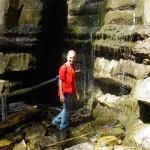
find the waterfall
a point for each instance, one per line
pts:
(3, 106)
(86, 61)
(127, 54)
(133, 21)
(133, 18)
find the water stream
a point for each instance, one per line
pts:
(3, 106)
(85, 78)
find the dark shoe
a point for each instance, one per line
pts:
(66, 129)
(55, 125)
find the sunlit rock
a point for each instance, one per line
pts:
(127, 105)
(75, 6)
(103, 115)
(31, 12)
(107, 99)
(123, 12)
(82, 146)
(118, 147)
(4, 4)
(81, 7)
(16, 62)
(143, 46)
(122, 52)
(20, 146)
(142, 90)
(123, 71)
(104, 148)
(146, 12)
(138, 134)
(119, 17)
(108, 141)
(21, 12)
(118, 132)
(142, 137)
(90, 20)
(6, 144)
(121, 4)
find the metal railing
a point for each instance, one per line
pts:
(4, 97)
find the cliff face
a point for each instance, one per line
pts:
(111, 38)
(115, 37)
(19, 26)
(30, 33)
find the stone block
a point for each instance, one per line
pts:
(31, 12)
(85, 20)
(30, 17)
(1, 20)
(147, 12)
(4, 4)
(121, 4)
(119, 17)
(16, 62)
(142, 90)
(83, 7)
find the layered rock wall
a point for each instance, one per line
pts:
(30, 33)
(120, 45)
(18, 29)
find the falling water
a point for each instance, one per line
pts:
(84, 76)
(3, 106)
(133, 18)
(127, 55)
(86, 59)
(133, 21)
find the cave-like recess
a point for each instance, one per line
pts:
(53, 23)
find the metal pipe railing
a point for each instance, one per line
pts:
(4, 97)
(27, 90)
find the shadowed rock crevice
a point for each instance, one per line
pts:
(144, 111)
(112, 87)
(13, 15)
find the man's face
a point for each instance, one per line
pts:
(71, 57)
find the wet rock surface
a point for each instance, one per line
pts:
(112, 39)
(39, 134)
(121, 62)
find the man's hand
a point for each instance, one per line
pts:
(62, 98)
(78, 97)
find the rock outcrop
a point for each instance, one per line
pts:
(117, 47)
(19, 27)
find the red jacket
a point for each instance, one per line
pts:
(67, 75)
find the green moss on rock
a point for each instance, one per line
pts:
(85, 20)
(119, 17)
(121, 4)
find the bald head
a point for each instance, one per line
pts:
(71, 57)
(71, 52)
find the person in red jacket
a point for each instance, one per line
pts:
(67, 87)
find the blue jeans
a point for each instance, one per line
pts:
(63, 118)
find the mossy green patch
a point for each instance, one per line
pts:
(102, 13)
(139, 12)
(121, 4)
(5, 142)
